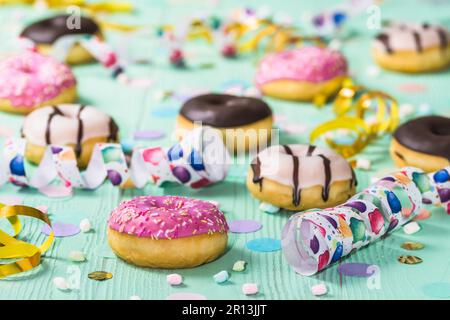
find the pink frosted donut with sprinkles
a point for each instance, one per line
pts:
(167, 231)
(31, 80)
(303, 74)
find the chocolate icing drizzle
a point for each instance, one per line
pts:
(225, 111)
(49, 30)
(443, 40)
(256, 168)
(430, 135)
(296, 193)
(112, 136)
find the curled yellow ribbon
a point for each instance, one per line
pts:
(106, 6)
(28, 255)
(351, 107)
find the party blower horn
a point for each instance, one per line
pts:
(199, 159)
(314, 239)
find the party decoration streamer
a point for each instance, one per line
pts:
(26, 255)
(362, 115)
(199, 159)
(314, 239)
(93, 7)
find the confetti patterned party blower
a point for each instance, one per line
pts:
(314, 239)
(199, 159)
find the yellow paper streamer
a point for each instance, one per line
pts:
(106, 6)
(28, 255)
(351, 107)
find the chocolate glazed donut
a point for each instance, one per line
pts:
(49, 30)
(423, 142)
(245, 123)
(225, 111)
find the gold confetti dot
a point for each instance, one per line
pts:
(409, 259)
(100, 275)
(412, 245)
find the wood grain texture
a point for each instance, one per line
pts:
(133, 109)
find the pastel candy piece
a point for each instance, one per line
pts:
(249, 288)
(269, 208)
(239, 266)
(319, 289)
(77, 256)
(85, 225)
(221, 277)
(61, 283)
(411, 228)
(174, 279)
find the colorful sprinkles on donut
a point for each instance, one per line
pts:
(167, 217)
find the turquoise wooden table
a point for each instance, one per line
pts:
(140, 109)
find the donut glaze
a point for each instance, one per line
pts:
(430, 135)
(30, 78)
(49, 30)
(311, 64)
(301, 166)
(411, 37)
(68, 124)
(225, 111)
(167, 217)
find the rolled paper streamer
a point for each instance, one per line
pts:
(27, 255)
(314, 239)
(98, 48)
(199, 159)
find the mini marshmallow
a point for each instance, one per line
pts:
(77, 256)
(319, 289)
(269, 208)
(362, 163)
(405, 110)
(411, 228)
(239, 266)
(221, 277)
(61, 283)
(174, 279)
(250, 288)
(85, 225)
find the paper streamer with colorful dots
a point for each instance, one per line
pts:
(199, 159)
(314, 239)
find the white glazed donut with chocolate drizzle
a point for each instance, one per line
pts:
(75, 125)
(300, 177)
(412, 47)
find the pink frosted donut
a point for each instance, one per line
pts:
(301, 74)
(31, 80)
(167, 231)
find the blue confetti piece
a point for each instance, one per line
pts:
(264, 245)
(165, 112)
